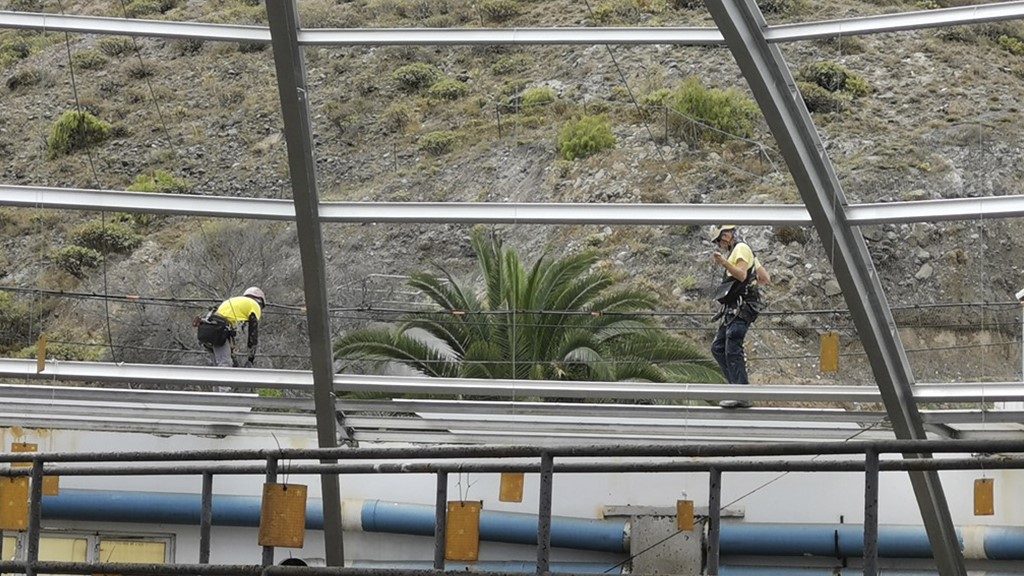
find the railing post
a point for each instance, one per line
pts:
(440, 520)
(871, 512)
(35, 516)
(714, 520)
(206, 519)
(268, 551)
(547, 467)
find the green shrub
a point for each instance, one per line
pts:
(500, 10)
(139, 70)
(89, 60)
(818, 99)
(116, 45)
(416, 76)
(106, 237)
(14, 50)
(448, 89)
(140, 8)
(513, 64)
(396, 117)
(537, 97)
(717, 113)
(1011, 45)
(65, 351)
(25, 5)
(790, 234)
(159, 181)
(76, 260)
(585, 136)
(616, 11)
(437, 143)
(24, 78)
(75, 131)
(833, 77)
(15, 322)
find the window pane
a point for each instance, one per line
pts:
(63, 549)
(145, 552)
(10, 547)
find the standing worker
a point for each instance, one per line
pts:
(217, 330)
(740, 306)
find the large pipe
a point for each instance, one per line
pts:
(358, 515)
(804, 571)
(847, 541)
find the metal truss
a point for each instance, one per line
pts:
(740, 26)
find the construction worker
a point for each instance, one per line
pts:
(740, 306)
(217, 330)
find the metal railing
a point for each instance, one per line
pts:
(715, 459)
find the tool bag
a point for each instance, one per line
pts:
(213, 329)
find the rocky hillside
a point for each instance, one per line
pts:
(905, 116)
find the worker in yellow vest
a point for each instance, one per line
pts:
(218, 328)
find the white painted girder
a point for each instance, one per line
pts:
(989, 208)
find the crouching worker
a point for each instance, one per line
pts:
(216, 330)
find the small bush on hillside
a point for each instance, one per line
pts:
(396, 117)
(77, 260)
(537, 97)
(416, 76)
(14, 50)
(159, 181)
(24, 78)
(513, 64)
(75, 131)
(140, 8)
(116, 45)
(718, 113)
(448, 89)
(500, 10)
(89, 60)
(65, 351)
(833, 77)
(817, 99)
(1011, 45)
(139, 70)
(25, 5)
(585, 136)
(789, 234)
(616, 12)
(437, 143)
(106, 237)
(15, 321)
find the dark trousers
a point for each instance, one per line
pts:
(727, 348)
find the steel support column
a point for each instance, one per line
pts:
(743, 27)
(291, 85)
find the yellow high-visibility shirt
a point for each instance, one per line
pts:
(238, 309)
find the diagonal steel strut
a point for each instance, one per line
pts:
(743, 27)
(291, 84)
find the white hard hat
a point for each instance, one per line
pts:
(716, 231)
(256, 293)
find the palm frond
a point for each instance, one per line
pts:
(379, 344)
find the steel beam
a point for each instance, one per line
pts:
(686, 36)
(990, 208)
(291, 83)
(774, 88)
(206, 377)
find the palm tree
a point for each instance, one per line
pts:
(562, 320)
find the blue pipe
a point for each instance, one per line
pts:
(375, 516)
(847, 540)
(575, 533)
(803, 571)
(496, 566)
